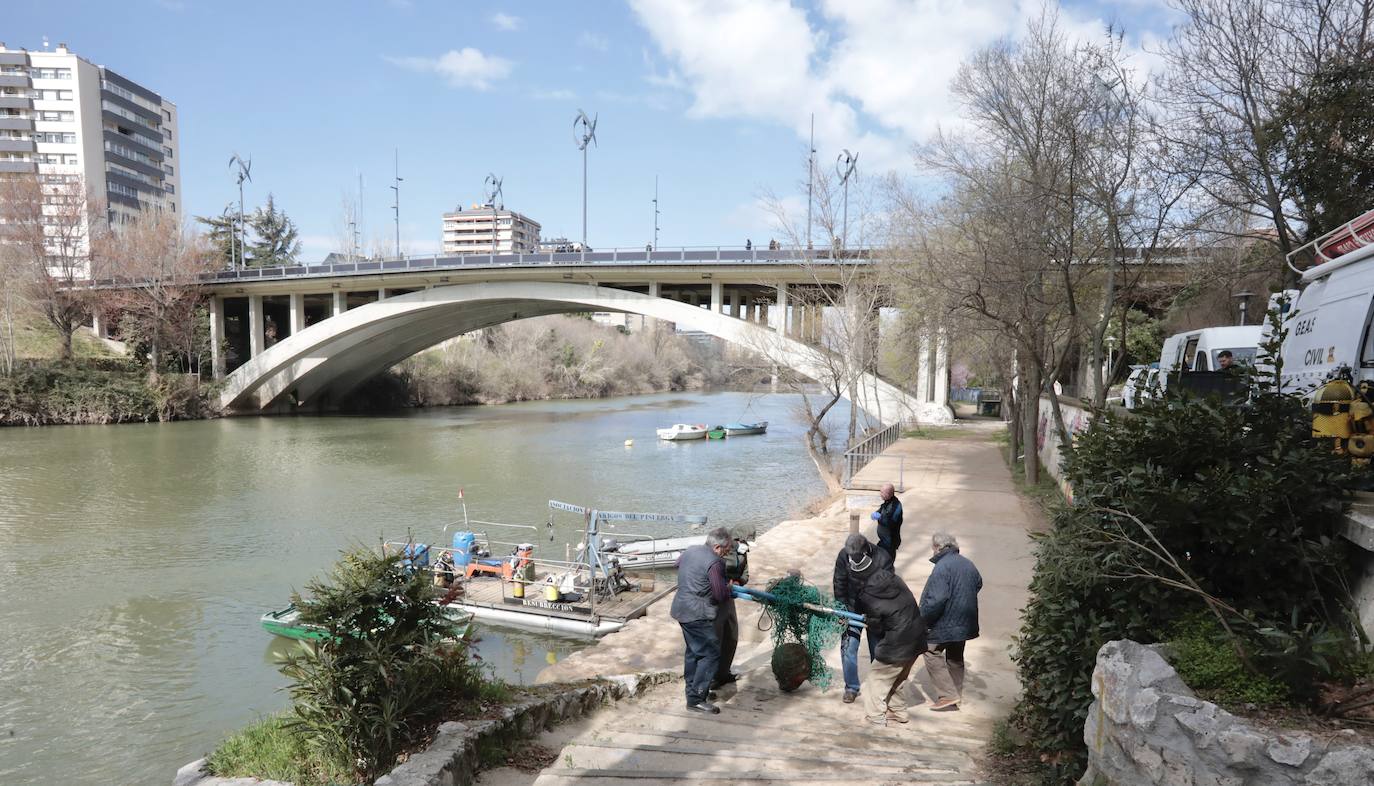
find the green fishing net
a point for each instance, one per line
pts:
(800, 637)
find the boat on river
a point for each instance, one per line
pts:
(287, 624)
(715, 432)
(745, 429)
(608, 582)
(679, 432)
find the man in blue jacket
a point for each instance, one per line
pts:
(701, 590)
(889, 518)
(949, 605)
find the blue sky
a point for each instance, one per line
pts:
(712, 97)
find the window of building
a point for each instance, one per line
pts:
(47, 73)
(55, 137)
(167, 151)
(167, 115)
(169, 188)
(120, 188)
(56, 116)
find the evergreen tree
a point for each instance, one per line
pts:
(220, 234)
(276, 240)
(1324, 128)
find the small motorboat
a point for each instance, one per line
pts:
(287, 623)
(682, 431)
(715, 432)
(743, 429)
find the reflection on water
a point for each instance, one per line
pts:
(135, 561)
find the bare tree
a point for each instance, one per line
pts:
(836, 313)
(52, 234)
(161, 263)
(1228, 68)
(10, 303)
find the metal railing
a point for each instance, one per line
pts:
(701, 255)
(859, 456)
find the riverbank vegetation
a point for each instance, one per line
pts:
(392, 667)
(1212, 525)
(556, 357)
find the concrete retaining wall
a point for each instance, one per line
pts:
(454, 757)
(1145, 727)
(1047, 442)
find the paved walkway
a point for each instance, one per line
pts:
(765, 736)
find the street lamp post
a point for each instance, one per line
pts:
(810, 172)
(584, 134)
(245, 173)
(1244, 298)
(396, 206)
(494, 195)
(654, 247)
(844, 166)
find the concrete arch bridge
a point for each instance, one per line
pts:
(304, 337)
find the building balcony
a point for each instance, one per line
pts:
(17, 146)
(16, 102)
(18, 167)
(16, 123)
(15, 80)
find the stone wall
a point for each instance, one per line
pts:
(1047, 442)
(1145, 727)
(454, 757)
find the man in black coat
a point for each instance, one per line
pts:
(950, 603)
(889, 518)
(894, 619)
(853, 565)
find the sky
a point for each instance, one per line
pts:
(712, 97)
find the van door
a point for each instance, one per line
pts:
(1189, 350)
(1200, 362)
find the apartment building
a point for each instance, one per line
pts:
(69, 120)
(486, 229)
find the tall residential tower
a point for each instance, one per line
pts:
(70, 120)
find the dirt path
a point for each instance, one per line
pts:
(961, 486)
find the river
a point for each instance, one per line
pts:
(135, 560)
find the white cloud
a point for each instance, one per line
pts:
(553, 95)
(466, 67)
(876, 73)
(506, 22)
(594, 41)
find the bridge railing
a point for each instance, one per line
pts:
(859, 456)
(707, 255)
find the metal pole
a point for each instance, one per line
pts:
(584, 198)
(810, 170)
(243, 261)
(397, 206)
(656, 211)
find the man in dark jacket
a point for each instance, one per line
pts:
(889, 518)
(727, 620)
(701, 589)
(890, 611)
(950, 605)
(855, 563)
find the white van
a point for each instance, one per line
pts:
(1329, 324)
(1197, 350)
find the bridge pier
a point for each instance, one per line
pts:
(932, 379)
(255, 326)
(297, 312)
(734, 303)
(217, 337)
(717, 297)
(339, 303)
(780, 324)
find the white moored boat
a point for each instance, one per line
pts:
(682, 431)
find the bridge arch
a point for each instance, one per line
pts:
(331, 357)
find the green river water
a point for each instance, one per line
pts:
(135, 560)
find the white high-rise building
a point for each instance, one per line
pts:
(485, 229)
(67, 119)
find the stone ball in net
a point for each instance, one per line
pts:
(791, 665)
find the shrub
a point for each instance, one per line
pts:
(1190, 506)
(388, 670)
(1202, 653)
(95, 392)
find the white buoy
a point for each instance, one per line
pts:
(629, 443)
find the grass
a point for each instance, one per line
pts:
(35, 339)
(270, 749)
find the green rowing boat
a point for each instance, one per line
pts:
(287, 623)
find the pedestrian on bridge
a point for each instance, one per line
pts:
(889, 518)
(857, 561)
(701, 590)
(950, 607)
